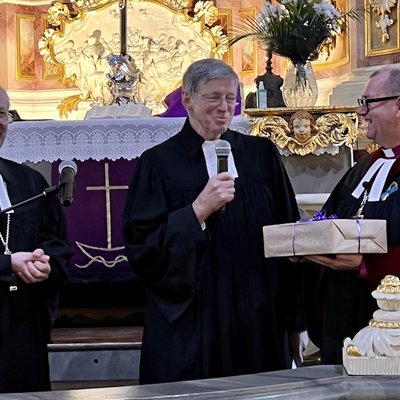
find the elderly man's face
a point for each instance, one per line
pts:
(3, 117)
(212, 107)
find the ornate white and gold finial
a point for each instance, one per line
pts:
(375, 350)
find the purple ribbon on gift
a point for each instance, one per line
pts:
(322, 216)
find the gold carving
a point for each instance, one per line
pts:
(383, 9)
(353, 351)
(389, 284)
(25, 56)
(384, 324)
(333, 127)
(162, 39)
(205, 11)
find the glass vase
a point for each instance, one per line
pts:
(300, 87)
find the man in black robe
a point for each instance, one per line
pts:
(33, 256)
(344, 303)
(216, 306)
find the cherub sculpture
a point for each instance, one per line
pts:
(302, 126)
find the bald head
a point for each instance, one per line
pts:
(390, 80)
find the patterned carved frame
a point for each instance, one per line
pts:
(334, 126)
(82, 39)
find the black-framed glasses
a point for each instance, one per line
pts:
(364, 103)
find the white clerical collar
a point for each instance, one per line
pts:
(4, 199)
(381, 167)
(211, 159)
(389, 153)
(393, 152)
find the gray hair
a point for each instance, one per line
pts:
(3, 91)
(391, 86)
(205, 70)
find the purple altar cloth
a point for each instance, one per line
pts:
(94, 220)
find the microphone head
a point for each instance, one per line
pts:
(222, 148)
(67, 164)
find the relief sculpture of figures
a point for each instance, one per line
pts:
(157, 58)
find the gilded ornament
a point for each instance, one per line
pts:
(389, 284)
(383, 9)
(81, 42)
(206, 10)
(353, 351)
(332, 128)
(384, 324)
(378, 343)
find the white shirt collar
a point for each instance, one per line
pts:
(4, 199)
(211, 159)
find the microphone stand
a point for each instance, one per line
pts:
(46, 193)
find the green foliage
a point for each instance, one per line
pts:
(295, 28)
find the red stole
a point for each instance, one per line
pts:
(376, 266)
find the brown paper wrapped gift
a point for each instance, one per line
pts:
(330, 236)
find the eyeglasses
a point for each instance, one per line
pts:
(364, 103)
(217, 100)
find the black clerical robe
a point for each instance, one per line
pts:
(25, 314)
(216, 306)
(344, 304)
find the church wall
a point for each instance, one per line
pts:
(23, 26)
(3, 45)
(41, 80)
(372, 48)
(239, 9)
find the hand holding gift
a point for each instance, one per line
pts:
(323, 235)
(342, 262)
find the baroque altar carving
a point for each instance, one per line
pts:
(162, 39)
(330, 128)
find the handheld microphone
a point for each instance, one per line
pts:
(67, 170)
(222, 149)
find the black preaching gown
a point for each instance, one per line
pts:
(344, 304)
(25, 314)
(216, 306)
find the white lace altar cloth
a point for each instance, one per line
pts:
(97, 139)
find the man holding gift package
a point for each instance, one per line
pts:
(216, 306)
(369, 189)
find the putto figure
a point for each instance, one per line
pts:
(302, 126)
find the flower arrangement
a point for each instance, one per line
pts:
(295, 29)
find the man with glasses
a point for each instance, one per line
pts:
(216, 306)
(33, 258)
(368, 190)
